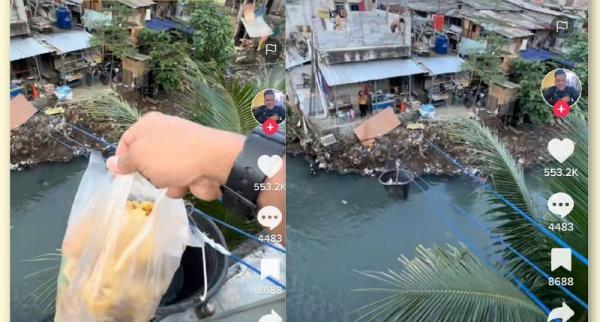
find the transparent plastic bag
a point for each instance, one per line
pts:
(116, 262)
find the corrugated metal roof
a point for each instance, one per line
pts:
(441, 64)
(21, 48)
(350, 73)
(137, 3)
(69, 41)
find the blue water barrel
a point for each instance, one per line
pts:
(441, 44)
(63, 18)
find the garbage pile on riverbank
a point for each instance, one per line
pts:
(410, 146)
(48, 138)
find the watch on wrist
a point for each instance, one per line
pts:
(239, 193)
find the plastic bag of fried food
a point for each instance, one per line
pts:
(123, 244)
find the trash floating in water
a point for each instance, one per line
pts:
(344, 202)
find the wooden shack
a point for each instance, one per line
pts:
(502, 98)
(136, 71)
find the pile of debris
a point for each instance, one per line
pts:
(409, 144)
(49, 138)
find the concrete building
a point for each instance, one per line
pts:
(18, 19)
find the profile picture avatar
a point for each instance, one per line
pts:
(561, 85)
(269, 104)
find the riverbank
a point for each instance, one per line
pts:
(411, 147)
(50, 138)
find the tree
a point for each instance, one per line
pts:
(114, 37)
(578, 53)
(487, 63)
(213, 33)
(168, 56)
(531, 105)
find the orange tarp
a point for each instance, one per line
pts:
(20, 111)
(377, 125)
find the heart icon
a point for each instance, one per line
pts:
(269, 165)
(561, 150)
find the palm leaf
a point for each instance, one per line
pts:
(505, 177)
(446, 284)
(224, 103)
(111, 108)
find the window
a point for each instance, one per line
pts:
(354, 7)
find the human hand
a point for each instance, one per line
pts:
(177, 154)
(275, 117)
(566, 99)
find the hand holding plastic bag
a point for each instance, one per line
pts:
(123, 244)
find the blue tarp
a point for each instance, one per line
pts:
(427, 111)
(163, 24)
(544, 55)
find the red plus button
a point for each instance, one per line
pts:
(561, 109)
(270, 127)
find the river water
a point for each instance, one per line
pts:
(40, 201)
(336, 225)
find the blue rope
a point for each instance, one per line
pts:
(256, 270)
(537, 225)
(475, 249)
(241, 232)
(96, 138)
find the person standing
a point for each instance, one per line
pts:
(363, 103)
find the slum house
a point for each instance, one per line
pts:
(556, 38)
(259, 19)
(44, 13)
(361, 52)
(18, 19)
(142, 10)
(465, 21)
(71, 58)
(25, 64)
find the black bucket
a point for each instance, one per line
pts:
(188, 282)
(397, 182)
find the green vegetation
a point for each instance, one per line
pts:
(114, 37)
(529, 76)
(579, 50)
(487, 64)
(213, 34)
(168, 56)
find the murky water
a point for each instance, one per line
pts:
(339, 224)
(40, 203)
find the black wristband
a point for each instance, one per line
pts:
(239, 193)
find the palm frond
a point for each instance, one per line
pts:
(216, 101)
(112, 108)
(270, 77)
(505, 176)
(446, 284)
